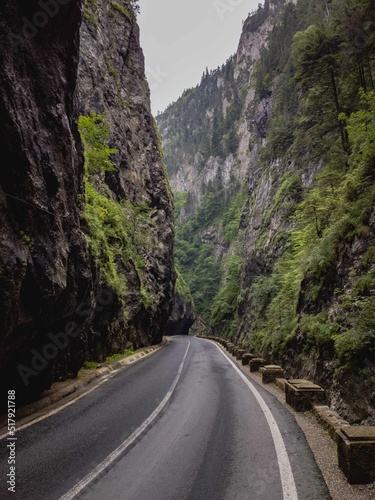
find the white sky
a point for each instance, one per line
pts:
(181, 37)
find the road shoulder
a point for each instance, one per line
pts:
(320, 442)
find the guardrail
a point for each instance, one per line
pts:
(355, 444)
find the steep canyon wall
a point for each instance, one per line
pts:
(86, 263)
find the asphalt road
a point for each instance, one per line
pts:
(181, 424)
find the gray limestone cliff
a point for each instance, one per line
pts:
(111, 82)
(226, 95)
(211, 136)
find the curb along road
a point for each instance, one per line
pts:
(73, 390)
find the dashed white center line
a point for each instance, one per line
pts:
(121, 450)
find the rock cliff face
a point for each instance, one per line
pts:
(111, 82)
(182, 317)
(193, 160)
(44, 261)
(56, 308)
(306, 257)
(211, 136)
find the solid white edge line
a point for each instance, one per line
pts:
(99, 382)
(99, 469)
(286, 473)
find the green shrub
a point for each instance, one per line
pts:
(90, 365)
(112, 71)
(318, 327)
(95, 132)
(118, 234)
(182, 288)
(226, 300)
(180, 200)
(120, 8)
(290, 189)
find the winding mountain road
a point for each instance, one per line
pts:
(185, 423)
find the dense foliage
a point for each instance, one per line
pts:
(323, 86)
(309, 273)
(191, 128)
(117, 232)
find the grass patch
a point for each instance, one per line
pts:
(90, 17)
(121, 9)
(124, 354)
(112, 71)
(89, 12)
(118, 233)
(90, 365)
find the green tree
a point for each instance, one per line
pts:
(216, 137)
(354, 20)
(317, 60)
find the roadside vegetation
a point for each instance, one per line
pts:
(117, 231)
(311, 274)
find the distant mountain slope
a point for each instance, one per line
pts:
(210, 137)
(272, 161)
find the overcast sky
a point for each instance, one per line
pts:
(181, 37)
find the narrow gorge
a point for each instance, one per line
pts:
(247, 206)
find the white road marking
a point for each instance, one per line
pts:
(128, 442)
(286, 473)
(102, 380)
